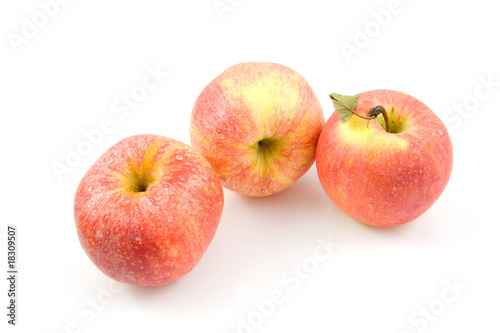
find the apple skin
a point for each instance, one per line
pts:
(258, 124)
(379, 178)
(148, 237)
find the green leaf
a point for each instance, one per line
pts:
(344, 105)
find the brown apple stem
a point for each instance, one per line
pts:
(374, 112)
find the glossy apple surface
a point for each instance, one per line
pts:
(258, 125)
(147, 210)
(380, 178)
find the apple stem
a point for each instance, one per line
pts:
(374, 112)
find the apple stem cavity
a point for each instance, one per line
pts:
(265, 151)
(138, 182)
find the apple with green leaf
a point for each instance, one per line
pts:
(147, 210)
(258, 124)
(384, 157)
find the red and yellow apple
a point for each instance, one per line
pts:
(258, 125)
(379, 177)
(147, 210)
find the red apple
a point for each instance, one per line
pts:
(147, 210)
(258, 124)
(378, 177)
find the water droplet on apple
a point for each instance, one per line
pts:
(89, 188)
(108, 160)
(170, 218)
(179, 157)
(370, 202)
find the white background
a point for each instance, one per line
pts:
(65, 77)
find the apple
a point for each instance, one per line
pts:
(258, 125)
(379, 177)
(147, 210)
